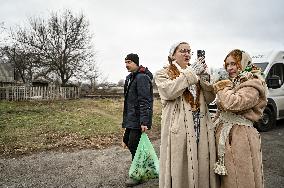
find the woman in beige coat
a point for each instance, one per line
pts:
(241, 100)
(187, 152)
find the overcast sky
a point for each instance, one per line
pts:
(150, 27)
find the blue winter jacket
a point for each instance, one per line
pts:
(138, 99)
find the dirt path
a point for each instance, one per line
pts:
(108, 167)
(106, 114)
(85, 168)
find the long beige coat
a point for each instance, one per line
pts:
(183, 162)
(243, 157)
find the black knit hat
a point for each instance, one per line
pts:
(133, 57)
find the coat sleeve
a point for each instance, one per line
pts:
(208, 91)
(242, 98)
(172, 89)
(145, 99)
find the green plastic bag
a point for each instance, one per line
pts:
(145, 164)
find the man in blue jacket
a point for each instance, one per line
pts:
(138, 104)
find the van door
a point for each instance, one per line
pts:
(277, 95)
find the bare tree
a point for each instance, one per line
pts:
(1, 39)
(90, 73)
(62, 45)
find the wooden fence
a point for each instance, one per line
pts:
(18, 93)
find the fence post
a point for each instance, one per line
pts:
(7, 93)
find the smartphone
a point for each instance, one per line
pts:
(201, 53)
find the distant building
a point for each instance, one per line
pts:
(41, 82)
(6, 73)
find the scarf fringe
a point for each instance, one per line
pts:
(219, 167)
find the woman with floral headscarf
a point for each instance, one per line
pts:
(187, 152)
(241, 100)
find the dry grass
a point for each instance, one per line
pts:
(63, 125)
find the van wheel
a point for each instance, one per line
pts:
(267, 122)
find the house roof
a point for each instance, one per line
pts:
(6, 72)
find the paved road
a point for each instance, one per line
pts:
(273, 156)
(108, 168)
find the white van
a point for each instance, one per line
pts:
(272, 65)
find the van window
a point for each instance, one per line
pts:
(278, 70)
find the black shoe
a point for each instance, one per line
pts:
(131, 182)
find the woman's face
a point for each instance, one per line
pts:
(182, 55)
(232, 67)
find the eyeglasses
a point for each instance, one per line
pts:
(183, 51)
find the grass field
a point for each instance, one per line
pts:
(34, 126)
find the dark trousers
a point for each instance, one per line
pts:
(131, 139)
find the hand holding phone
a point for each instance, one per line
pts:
(200, 65)
(201, 55)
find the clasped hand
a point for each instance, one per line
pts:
(221, 74)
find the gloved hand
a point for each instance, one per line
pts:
(199, 66)
(221, 74)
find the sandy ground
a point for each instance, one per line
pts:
(109, 167)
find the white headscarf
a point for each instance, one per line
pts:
(246, 60)
(173, 48)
